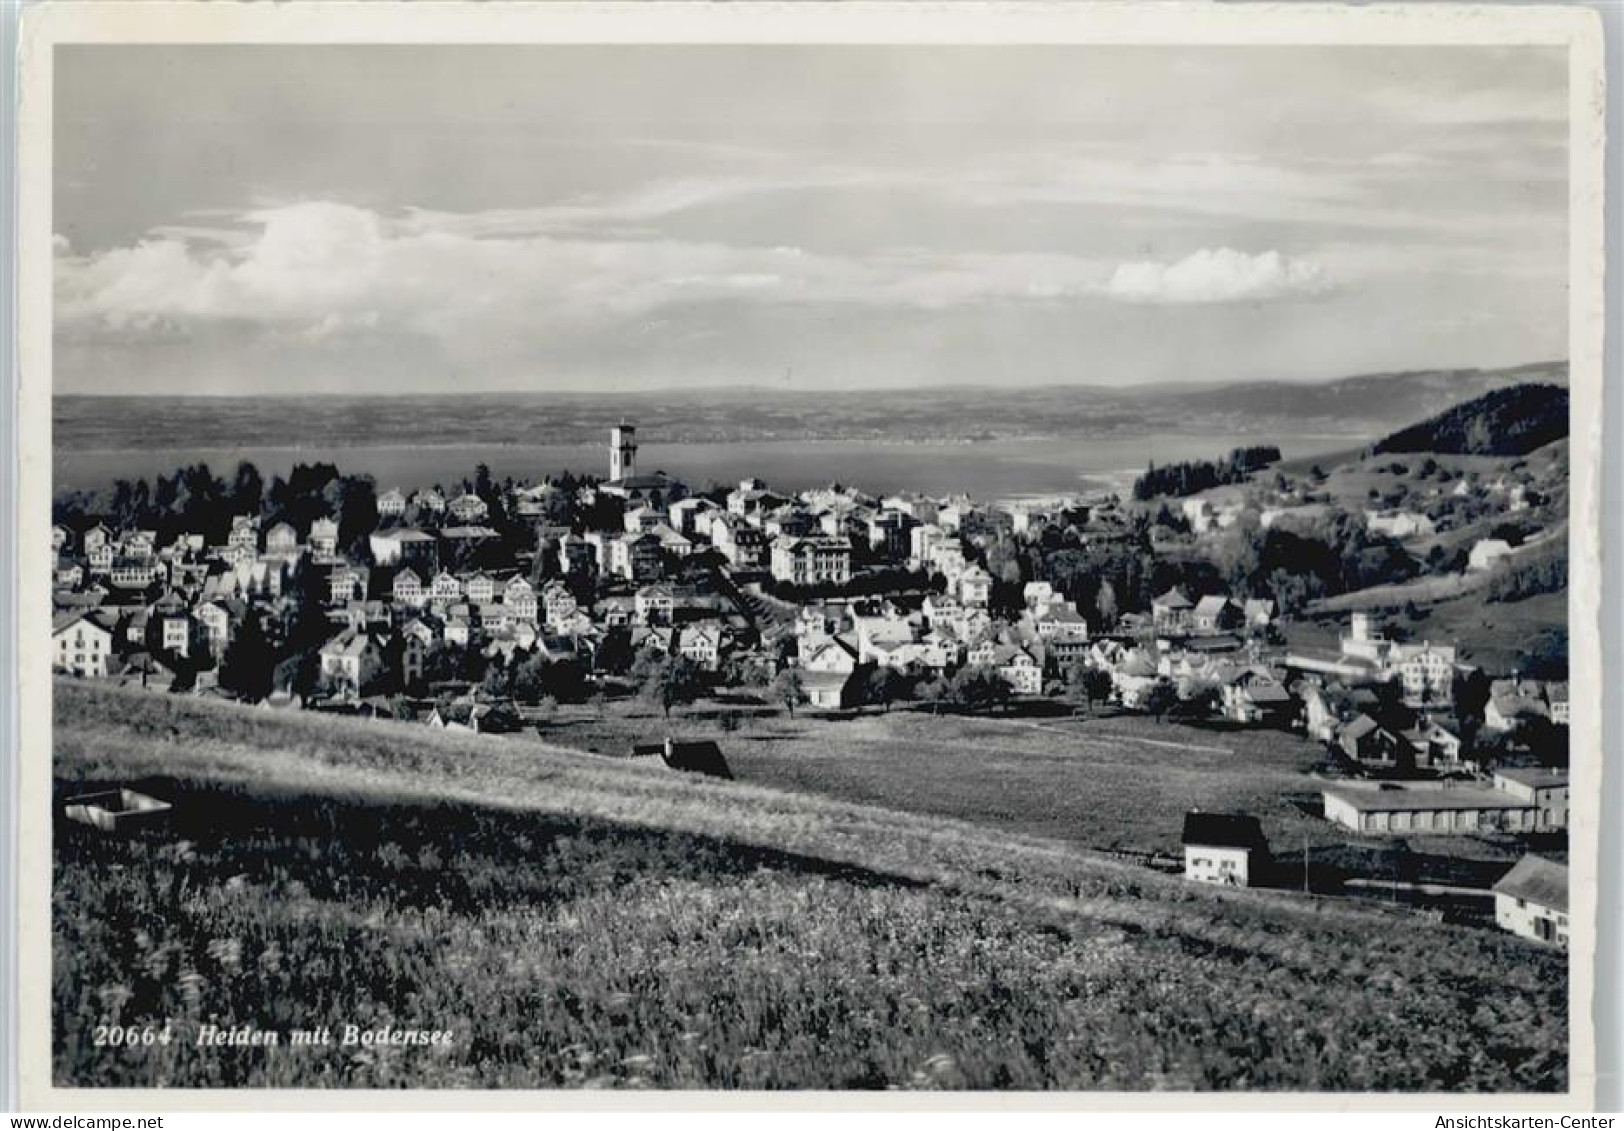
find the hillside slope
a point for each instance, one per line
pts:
(1505, 422)
(577, 921)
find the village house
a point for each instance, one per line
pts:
(1427, 673)
(215, 623)
(1256, 696)
(347, 583)
(1018, 668)
(702, 643)
(654, 603)
(407, 590)
(1399, 524)
(1486, 552)
(812, 561)
(1531, 900)
(1546, 789)
(83, 644)
(405, 547)
(1227, 849)
(1364, 740)
(1132, 678)
(175, 633)
(445, 587)
(468, 508)
(391, 504)
(520, 599)
(1170, 612)
(975, 587)
(479, 588)
(324, 538)
(1512, 703)
(1215, 613)
(282, 540)
(1436, 744)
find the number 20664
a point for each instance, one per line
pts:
(131, 1036)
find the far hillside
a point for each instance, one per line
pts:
(1505, 422)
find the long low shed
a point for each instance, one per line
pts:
(1428, 810)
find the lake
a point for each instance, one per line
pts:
(996, 469)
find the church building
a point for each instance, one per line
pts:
(655, 490)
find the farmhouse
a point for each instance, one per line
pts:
(1545, 788)
(1439, 809)
(1223, 848)
(1531, 900)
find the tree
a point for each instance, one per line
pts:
(789, 689)
(880, 687)
(672, 682)
(1159, 699)
(1086, 686)
(249, 664)
(1105, 603)
(978, 689)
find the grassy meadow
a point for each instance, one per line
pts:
(579, 922)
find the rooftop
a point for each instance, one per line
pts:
(1538, 881)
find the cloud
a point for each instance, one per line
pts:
(1217, 275)
(318, 268)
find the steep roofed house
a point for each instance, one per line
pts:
(1256, 695)
(479, 588)
(324, 538)
(1019, 668)
(1215, 614)
(1531, 900)
(702, 643)
(1427, 673)
(1366, 741)
(82, 643)
(832, 690)
(468, 508)
(1171, 611)
(1258, 613)
(392, 503)
(519, 598)
(1227, 849)
(445, 587)
(348, 583)
(407, 590)
(975, 587)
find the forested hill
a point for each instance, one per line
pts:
(1505, 422)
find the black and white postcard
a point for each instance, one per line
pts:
(921, 553)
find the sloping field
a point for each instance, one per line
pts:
(577, 922)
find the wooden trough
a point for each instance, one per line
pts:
(115, 810)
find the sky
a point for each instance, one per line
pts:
(380, 219)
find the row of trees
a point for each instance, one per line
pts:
(1193, 476)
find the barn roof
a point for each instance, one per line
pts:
(1223, 830)
(1537, 880)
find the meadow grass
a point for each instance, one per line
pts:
(582, 922)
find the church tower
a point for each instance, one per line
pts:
(623, 452)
